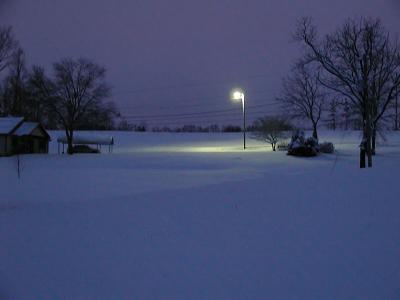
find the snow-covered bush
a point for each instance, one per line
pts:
(326, 147)
(300, 146)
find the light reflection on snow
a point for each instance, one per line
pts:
(202, 149)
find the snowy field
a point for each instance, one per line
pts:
(193, 216)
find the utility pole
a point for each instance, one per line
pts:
(244, 123)
(238, 95)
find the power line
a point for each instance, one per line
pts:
(192, 114)
(205, 121)
(196, 118)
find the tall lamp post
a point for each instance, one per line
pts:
(238, 95)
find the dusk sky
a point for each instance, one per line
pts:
(180, 56)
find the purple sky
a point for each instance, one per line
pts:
(181, 56)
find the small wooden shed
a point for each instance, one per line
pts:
(20, 137)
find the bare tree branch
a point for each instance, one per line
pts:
(7, 46)
(302, 96)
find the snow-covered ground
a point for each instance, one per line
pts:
(193, 216)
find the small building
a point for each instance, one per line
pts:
(86, 140)
(20, 137)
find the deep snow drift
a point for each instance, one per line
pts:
(193, 216)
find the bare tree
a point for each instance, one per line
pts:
(7, 46)
(100, 116)
(356, 59)
(271, 130)
(346, 113)
(38, 98)
(15, 93)
(302, 96)
(332, 121)
(78, 86)
(395, 108)
(385, 82)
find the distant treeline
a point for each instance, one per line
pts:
(338, 119)
(143, 127)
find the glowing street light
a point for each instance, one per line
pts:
(238, 95)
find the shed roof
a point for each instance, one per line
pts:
(26, 128)
(9, 124)
(88, 140)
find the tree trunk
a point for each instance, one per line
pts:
(367, 134)
(368, 147)
(365, 146)
(396, 119)
(315, 134)
(369, 153)
(373, 140)
(70, 136)
(362, 153)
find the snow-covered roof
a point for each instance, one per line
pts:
(8, 124)
(88, 139)
(26, 128)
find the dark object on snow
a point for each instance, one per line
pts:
(305, 151)
(300, 146)
(326, 147)
(84, 149)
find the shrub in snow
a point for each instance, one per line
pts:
(271, 130)
(306, 151)
(300, 146)
(312, 141)
(326, 147)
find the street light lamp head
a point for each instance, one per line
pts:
(237, 95)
